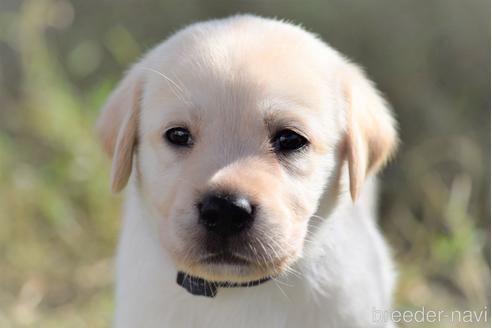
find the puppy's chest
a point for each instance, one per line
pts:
(266, 306)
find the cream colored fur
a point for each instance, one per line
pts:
(234, 82)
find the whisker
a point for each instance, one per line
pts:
(290, 269)
(175, 87)
(280, 288)
(164, 76)
(318, 217)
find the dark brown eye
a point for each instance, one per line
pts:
(179, 137)
(288, 141)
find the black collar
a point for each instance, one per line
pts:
(202, 287)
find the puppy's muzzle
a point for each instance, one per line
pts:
(226, 214)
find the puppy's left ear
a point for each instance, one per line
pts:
(371, 136)
(117, 126)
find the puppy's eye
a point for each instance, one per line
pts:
(288, 140)
(179, 137)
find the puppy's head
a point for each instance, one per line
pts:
(232, 131)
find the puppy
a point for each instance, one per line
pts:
(248, 148)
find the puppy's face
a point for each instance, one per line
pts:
(236, 137)
(235, 161)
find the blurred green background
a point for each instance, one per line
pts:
(59, 60)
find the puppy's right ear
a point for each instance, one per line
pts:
(117, 126)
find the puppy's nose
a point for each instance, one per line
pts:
(225, 214)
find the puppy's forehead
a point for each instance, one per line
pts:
(244, 67)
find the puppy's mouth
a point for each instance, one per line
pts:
(239, 259)
(225, 258)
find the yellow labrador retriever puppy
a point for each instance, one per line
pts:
(248, 148)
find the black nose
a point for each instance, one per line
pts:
(225, 214)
